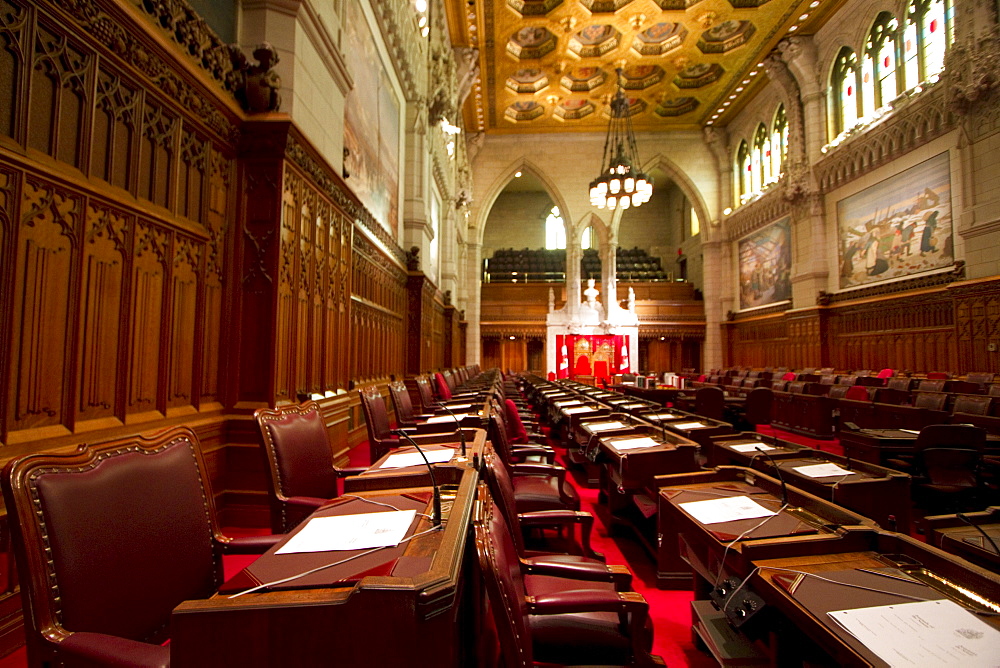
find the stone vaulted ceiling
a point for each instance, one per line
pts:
(549, 65)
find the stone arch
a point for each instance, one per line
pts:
(689, 189)
(506, 176)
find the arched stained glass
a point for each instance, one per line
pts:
(779, 142)
(845, 82)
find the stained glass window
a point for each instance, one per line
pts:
(742, 172)
(845, 80)
(880, 63)
(779, 142)
(931, 24)
(555, 231)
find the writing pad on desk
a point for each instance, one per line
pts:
(382, 562)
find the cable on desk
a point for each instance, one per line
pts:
(336, 563)
(722, 563)
(379, 503)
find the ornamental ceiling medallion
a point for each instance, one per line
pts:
(546, 64)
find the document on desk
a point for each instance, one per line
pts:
(689, 425)
(925, 633)
(634, 443)
(404, 459)
(447, 418)
(829, 470)
(662, 416)
(604, 426)
(350, 532)
(726, 509)
(750, 447)
(577, 409)
(567, 402)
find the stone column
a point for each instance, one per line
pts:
(799, 56)
(714, 288)
(473, 347)
(717, 140)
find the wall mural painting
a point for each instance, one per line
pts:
(371, 125)
(766, 265)
(899, 227)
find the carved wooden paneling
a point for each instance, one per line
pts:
(147, 317)
(50, 221)
(977, 325)
(115, 129)
(13, 39)
(184, 326)
(106, 261)
(60, 89)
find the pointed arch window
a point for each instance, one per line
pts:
(555, 230)
(587, 239)
(929, 31)
(845, 84)
(742, 173)
(879, 70)
(779, 142)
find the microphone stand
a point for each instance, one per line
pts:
(458, 425)
(436, 514)
(777, 472)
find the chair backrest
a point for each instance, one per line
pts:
(980, 377)
(954, 467)
(827, 379)
(847, 380)
(857, 393)
(709, 402)
(976, 404)
(401, 403)
(380, 437)
(502, 490)
(426, 393)
(932, 400)
(501, 571)
(441, 387)
(993, 390)
(111, 538)
(757, 408)
(886, 373)
(779, 385)
(899, 383)
(796, 387)
(938, 375)
(788, 376)
(931, 385)
(839, 391)
(951, 436)
(299, 458)
(518, 434)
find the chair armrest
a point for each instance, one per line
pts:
(587, 600)
(349, 471)
(100, 649)
(538, 469)
(586, 571)
(251, 544)
(563, 518)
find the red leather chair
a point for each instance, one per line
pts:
(565, 627)
(401, 403)
(380, 437)
(857, 393)
(108, 540)
(303, 476)
(426, 394)
(536, 486)
(710, 402)
(443, 391)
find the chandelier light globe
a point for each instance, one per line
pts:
(620, 184)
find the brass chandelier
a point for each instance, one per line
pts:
(621, 185)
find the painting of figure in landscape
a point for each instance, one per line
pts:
(899, 227)
(766, 266)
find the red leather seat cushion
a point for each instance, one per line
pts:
(541, 493)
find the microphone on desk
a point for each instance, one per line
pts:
(436, 514)
(458, 425)
(978, 528)
(777, 472)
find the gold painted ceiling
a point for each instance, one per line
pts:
(549, 65)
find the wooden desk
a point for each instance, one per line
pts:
(422, 618)
(807, 414)
(627, 475)
(926, 572)
(450, 473)
(809, 519)
(874, 491)
(958, 537)
(659, 395)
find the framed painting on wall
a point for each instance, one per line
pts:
(372, 124)
(898, 227)
(766, 265)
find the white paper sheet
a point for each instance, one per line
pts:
(604, 426)
(726, 509)
(910, 431)
(828, 470)
(630, 406)
(458, 407)
(634, 443)
(925, 633)
(578, 409)
(402, 459)
(751, 447)
(662, 416)
(689, 425)
(350, 532)
(570, 402)
(437, 419)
